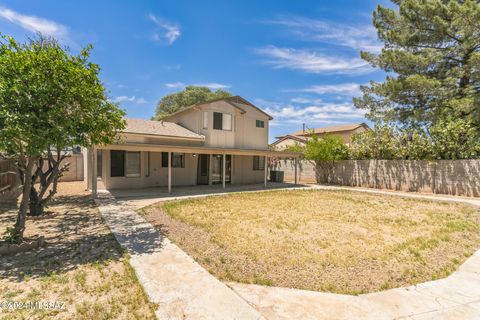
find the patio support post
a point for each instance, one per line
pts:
(169, 172)
(296, 165)
(223, 170)
(266, 171)
(94, 172)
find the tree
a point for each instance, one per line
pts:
(325, 151)
(446, 140)
(191, 95)
(379, 143)
(49, 100)
(432, 55)
(454, 139)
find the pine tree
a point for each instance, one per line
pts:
(432, 58)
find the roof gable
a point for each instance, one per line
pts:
(330, 129)
(235, 101)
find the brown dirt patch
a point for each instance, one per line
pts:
(335, 241)
(82, 265)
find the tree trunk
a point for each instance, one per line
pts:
(36, 205)
(47, 182)
(19, 227)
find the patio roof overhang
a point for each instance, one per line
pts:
(199, 150)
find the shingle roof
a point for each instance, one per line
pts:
(337, 128)
(288, 136)
(159, 128)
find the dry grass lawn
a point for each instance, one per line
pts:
(335, 241)
(82, 265)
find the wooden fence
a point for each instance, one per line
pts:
(7, 175)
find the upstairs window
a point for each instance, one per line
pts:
(222, 121)
(260, 124)
(227, 122)
(258, 163)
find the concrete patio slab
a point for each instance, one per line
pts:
(172, 279)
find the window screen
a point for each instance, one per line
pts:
(117, 163)
(260, 124)
(217, 121)
(178, 160)
(132, 168)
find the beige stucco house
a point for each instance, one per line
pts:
(219, 142)
(345, 131)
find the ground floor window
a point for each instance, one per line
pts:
(117, 163)
(178, 160)
(258, 163)
(124, 163)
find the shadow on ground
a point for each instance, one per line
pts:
(75, 235)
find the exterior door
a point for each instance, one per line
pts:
(217, 170)
(202, 172)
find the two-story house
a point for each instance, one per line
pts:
(218, 142)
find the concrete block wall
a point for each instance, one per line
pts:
(453, 177)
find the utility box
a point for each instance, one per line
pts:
(276, 176)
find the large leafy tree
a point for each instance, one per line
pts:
(189, 96)
(325, 151)
(432, 56)
(49, 100)
(449, 139)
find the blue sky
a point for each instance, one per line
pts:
(298, 60)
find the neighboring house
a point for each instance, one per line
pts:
(345, 131)
(218, 142)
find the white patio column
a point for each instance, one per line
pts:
(169, 172)
(94, 173)
(223, 170)
(296, 165)
(266, 171)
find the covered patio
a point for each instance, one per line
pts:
(159, 168)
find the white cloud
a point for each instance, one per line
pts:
(311, 61)
(213, 85)
(357, 37)
(35, 24)
(314, 114)
(175, 85)
(132, 99)
(210, 85)
(166, 30)
(303, 100)
(349, 89)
